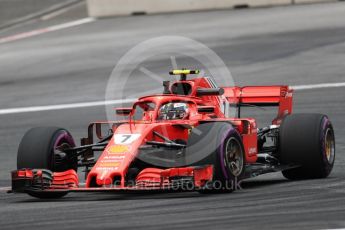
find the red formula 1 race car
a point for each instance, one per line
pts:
(181, 140)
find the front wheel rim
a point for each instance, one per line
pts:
(329, 146)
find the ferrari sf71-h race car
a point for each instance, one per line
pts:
(185, 139)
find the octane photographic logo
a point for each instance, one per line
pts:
(233, 185)
(142, 70)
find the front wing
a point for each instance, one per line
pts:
(150, 179)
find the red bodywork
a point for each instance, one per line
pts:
(114, 162)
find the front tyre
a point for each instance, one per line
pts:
(307, 141)
(220, 144)
(42, 148)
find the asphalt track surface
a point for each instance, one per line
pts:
(296, 45)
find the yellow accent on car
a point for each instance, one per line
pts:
(109, 164)
(118, 149)
(184, 72)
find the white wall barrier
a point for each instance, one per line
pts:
(312, 1)
(105, 8)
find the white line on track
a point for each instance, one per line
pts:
(63, 106)
(63, 10)
(130, 100)
(318, 86)
(5, 188)
(45, 30)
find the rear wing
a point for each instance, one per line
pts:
(280, 96)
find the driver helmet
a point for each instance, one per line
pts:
(173, 111)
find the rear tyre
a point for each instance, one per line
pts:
(220, 145)
(307, 141)
(38, 150)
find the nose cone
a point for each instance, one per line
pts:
(112, 165)
(104, 178)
